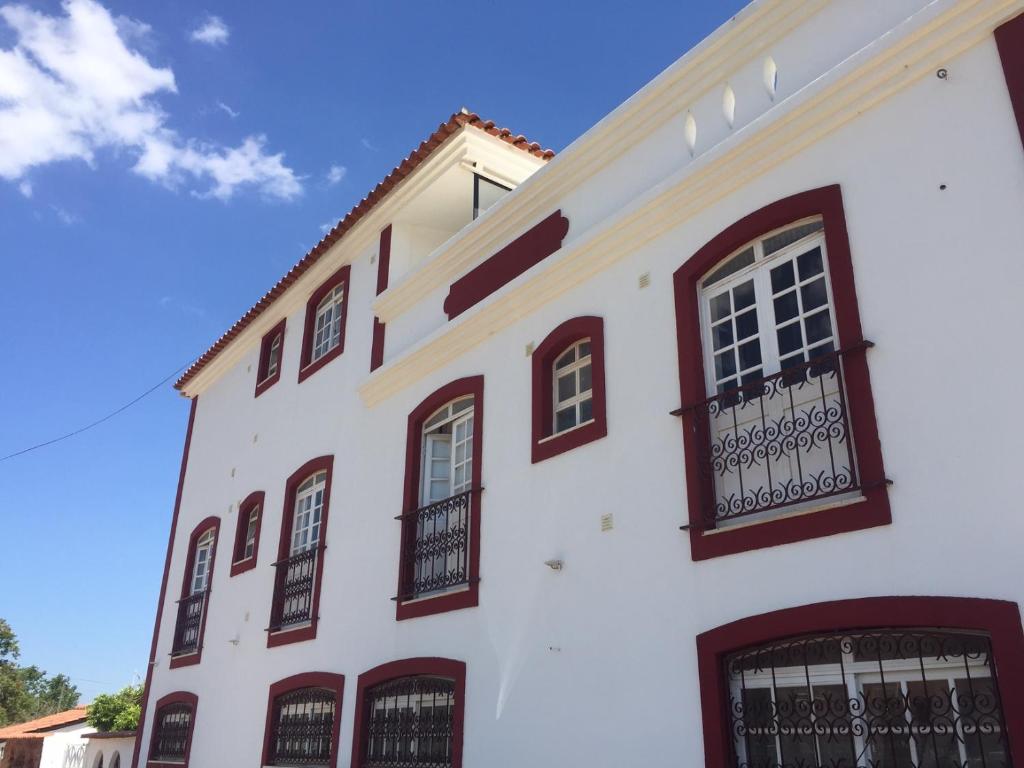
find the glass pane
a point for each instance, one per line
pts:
(789, 362)
(460, 405)
(565, 418)
(721, 306)
(818, 326)
(746, 324)
(586, 410)
(782, 277)
(440, 448)
(727, 384)
(779, 241)
(786, 307)
(743, 295)
(789, 338)
(488, 193)
(439, 469)
(566, 387)
(585, 373)
(742, 259)
(809, 264)
(725, 365)
(566, 359)
(814, 294)
(721, 335)
(584, 349)
(750, 354)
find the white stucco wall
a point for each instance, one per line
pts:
(108, 748)
(65, 747)
(595, 665)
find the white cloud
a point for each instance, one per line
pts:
(72, 85)
(230, 112)
(66, 217)
(213, 31)
(25, 187)
(335, 174)
(367, 144)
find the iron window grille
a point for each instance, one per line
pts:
(886, 698)
(409, 723)
(189, 624)
(170, 740)
(293, 589)
(435, 546)
(303, 727)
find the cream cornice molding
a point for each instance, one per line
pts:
(913, 49)
(466, 144)
(743, 38)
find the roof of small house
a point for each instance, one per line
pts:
(426, 148)
(41, 727)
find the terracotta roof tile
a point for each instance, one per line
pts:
(364, 206)
(39, 727)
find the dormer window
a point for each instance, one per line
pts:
(324, 336)
(486, 193)
(268, 370)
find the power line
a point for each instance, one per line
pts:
(96, 423)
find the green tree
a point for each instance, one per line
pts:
(27, 692)
(116, 711)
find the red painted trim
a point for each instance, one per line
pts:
(307, 368)
(1010, 41)
(383, 272)
(328, 680)
(471, 385)
(447, 668)
(264, 382)
(210, 522)
(163, 580)
(828, 203)
(530, 248)
(997, 618)
(311, 467)
(178, 697)
(544, 356)
(238, 565)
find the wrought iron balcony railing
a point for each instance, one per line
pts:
(293, 589)
(777, 442)
(189, 624)
(435, 546)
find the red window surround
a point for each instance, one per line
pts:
(1010, 40)
(307, 368)
(454, 670)
(239, 563)
(263, 381)
(997, 618)
(136, 750)
(190, 561)
(327, 680)
(545, 445)
(178, 697)
(468, 598)
(383, 270)
(826, 202)
(320, 464)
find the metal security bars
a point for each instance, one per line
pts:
(303, 727)
(778, 441)
(170, 738)
(884, 698)
(435, 546)
(189, 624)
(409, 723)
(293, 589)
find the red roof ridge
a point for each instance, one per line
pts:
(457, 121)
(36, 728)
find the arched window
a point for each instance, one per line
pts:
(324, 334)
(268, 370)
(440, 525)
(98, 762)
(115, 760)
(173, 724)
(569, 388)
(777, 406)
(303, 720)
(194, 602)
(294, 610)
(410, 713)
(247, 533)
(905, 686)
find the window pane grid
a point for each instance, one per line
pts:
(309, 504)
(303, 728)
(410, 724)
(170, 737)
(572, 382)
(327, 327)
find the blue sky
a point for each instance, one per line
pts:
(161, 166)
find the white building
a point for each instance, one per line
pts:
(52, 741)
(431, 496)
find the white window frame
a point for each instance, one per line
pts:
(760, 272)
(458, 413)
(249, 544)
(327, 325)
(576, 401)
(307, 517)
(273, 357)
(202, 560)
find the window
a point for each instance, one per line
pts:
(268, 371)
(909, 692)
(303, 720)
(324, 335)
(300, 554)
(569, 388)
(98, 762)
(486, 193)
(172, 730)
(247, 533)
(410, 713)
(192, 606)
(115, 761)
(778, 413)
(440, 527)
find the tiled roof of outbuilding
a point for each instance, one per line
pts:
(40, 727)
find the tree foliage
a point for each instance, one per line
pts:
(27, 692)
(116, 711)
